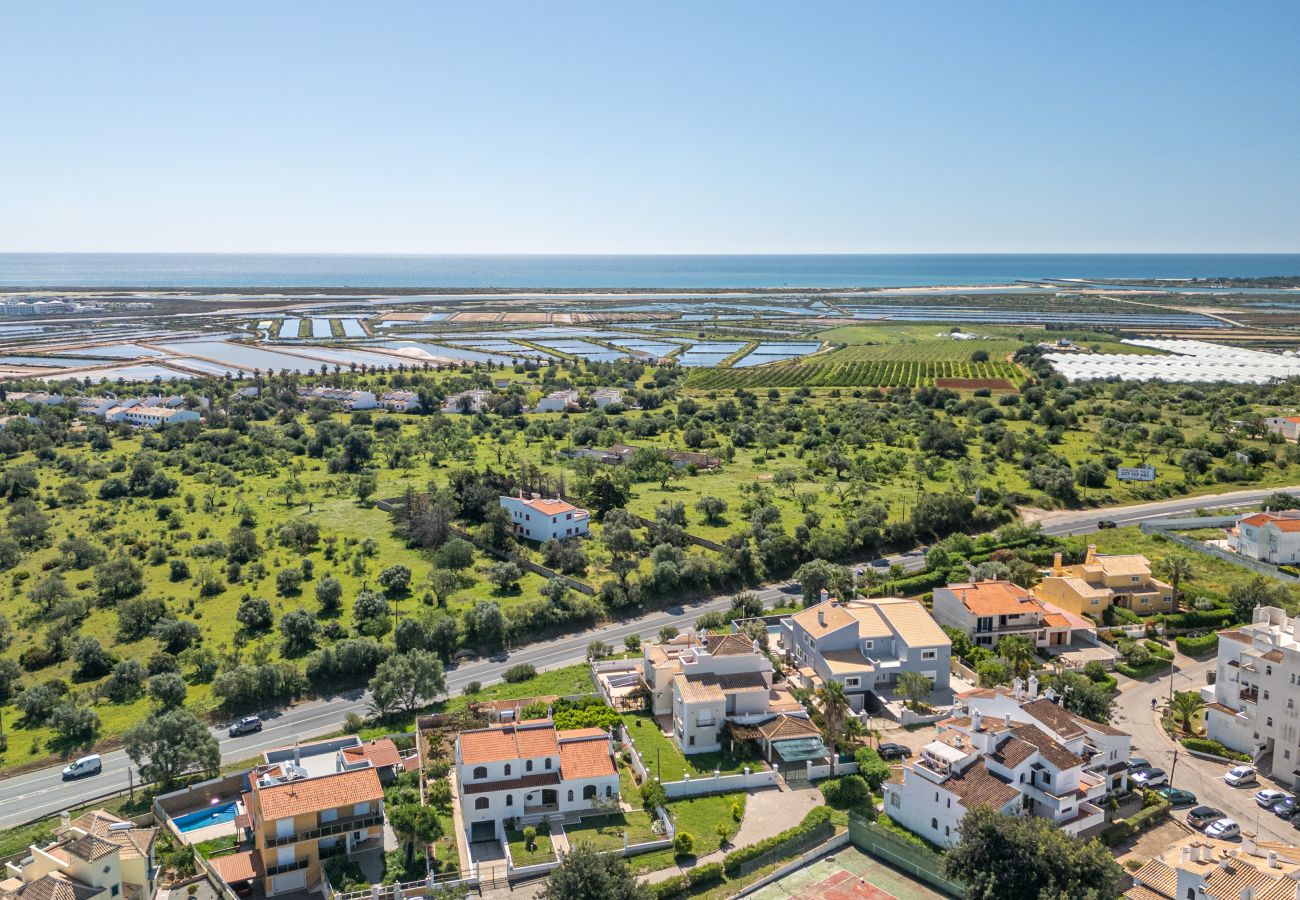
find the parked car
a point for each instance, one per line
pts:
(1138, 763)
(894, 751)
(1107, 523)
(87, 765)
(1223, 829)
(1267, 797)
(1240, 775)
(1177, 796)
(1285, 809)
(1201, 816)
(881, 563)
(246, 725)
(1150, 778)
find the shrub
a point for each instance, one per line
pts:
(709, 873)
(1214, 748)
(518, 673)
(1198, 646)
(684, 843)
(654, 796)
(846, 791)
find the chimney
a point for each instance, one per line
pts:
(65, 820)
(1186, 855)
(1092, 555)
(976, 722)
(297, 754)
(1248, 893)
(821, 617)
(1056, 565)
(825, 595)
(1033, 687)
(1272, 860)
(1006, 720)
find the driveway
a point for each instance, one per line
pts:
(1204, 778)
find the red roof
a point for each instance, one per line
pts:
(502, 742)
(1280, 522)
(585, 756)
(381, 753)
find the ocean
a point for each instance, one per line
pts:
(212, 270)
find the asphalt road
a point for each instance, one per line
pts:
(1202, 777)
(32, 794)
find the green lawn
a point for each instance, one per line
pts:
(663, 758)
(542, 851)
(605, 832)
(700, 817)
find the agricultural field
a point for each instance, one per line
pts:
(834, 370)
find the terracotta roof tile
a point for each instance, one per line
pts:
(1237, 636)
(541, 779)
(1013, 752)
(996, 598)
(730, 645)
(304, 795)
(586, 757)
(977, 786)
(1050, 750)
(1054, 717)
(1274, 656)
(698, 688)
(57, 886)
(381, 753)
(508, 742)
(236, 867)
(784, 727)
(90, 847)
(824, 618)
(1159, 876)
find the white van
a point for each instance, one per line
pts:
(87, 765)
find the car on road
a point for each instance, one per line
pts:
(1107, 523)
(246, 725)
(1138, 763)
(1177, 796)
(1240, 775)
(87, 765)
(1267, 797)
(1285, 809)
(1201, 816)
(881, 563)
(894, 751)
(1223, 830)
(1150, 778)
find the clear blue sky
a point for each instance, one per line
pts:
(429, 127)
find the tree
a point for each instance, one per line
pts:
(632, 643)
(10, 682)
(395, 580)
(483, 623)
(176, 635)
(817, 575)
(371, 614)
(1028, 858)
(329, 594)
(457, 554)
(414, 825)
(1085, 697)
(444, 583)
(598, 650)
(1019, 652)
(1177, 568)
(506, 576)
(914, 688)
(835, 710)
(74, 725)
(712, 508)
(50, 591)
(586, 874)
(91, 658)
(254, 613)
(168, 690)
(299, 630)
(118, 579)
(1185, 705)
(288, 581)
(1259, 591)
(126, 683)
(413, 678)
(171, 743)
(873, 769)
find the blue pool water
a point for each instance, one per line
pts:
(214, 815)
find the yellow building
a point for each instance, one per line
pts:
(1100, 581)
(95, 857)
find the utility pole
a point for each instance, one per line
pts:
(1173, 768)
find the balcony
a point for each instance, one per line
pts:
(287, 867)
(1250, 695)
(329, 829)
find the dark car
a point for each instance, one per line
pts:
(1137, 764)
(894, 751)
(881, 563)
(246, 725)
(1285, 809)
(1107, 523)
(1202, 816)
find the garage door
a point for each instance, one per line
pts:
(482, 831)
(289, 881)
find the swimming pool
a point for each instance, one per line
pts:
(213, 815)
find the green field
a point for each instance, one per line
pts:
(834, 371)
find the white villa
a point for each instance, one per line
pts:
(538, 519)
(1271, 537)
(557, 401)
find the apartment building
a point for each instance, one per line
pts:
(341, 396)
(1271, 537)
(1034, 759)
(528, 771)
(538, 519)
(37, 398)
(150, 416)
(1204, 869)
(400, 401)
(1252, 705)
(557, 401)
(1101, 580)
(474, 401)
(988, 611)
(605, 396)
(97, 856)
(865, 645)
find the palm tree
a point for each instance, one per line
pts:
(1019, 652)
(835, 710)
(1177, 568)
(1185, 705)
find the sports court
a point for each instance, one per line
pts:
(847, 874)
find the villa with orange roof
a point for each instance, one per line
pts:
(538, 519)
(988, 611)
(529, 771)
(1101, 580)
(1271, 537)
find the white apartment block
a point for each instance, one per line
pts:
(342, 396)
(1018, 754)
(529, 771)
(150, 416)
(538, 519)
(1271, 537)
(557, 401)
(400, 401)
(37, 398)
(474, 401)
(605, 396)
(1252, 705)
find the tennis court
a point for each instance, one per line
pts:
(847, 874)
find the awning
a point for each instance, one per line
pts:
(236, 867)
(801, 749)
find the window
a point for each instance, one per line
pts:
(114, 890)
(480, 771)
(589, 792)
(1269, 721)
(548, 763)
(894, 801)
(570, 796)
(361, 809)
(1047, 778)
(609, 791)
(481, 803)
(929, 654)
(1268, 670)
(1136, 578)
(507, 768)
(1266, 695)
(1096, 602)
(851, 682)
(934, 823)
(867, 645)
(528, 766)
(946, 831)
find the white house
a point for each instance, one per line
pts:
(1036, 758)
(95, 406)
(988, 611)
(1287, 426)
(1271, 537)
(1251, 707)
(537, 519)
(474, 401)
(38, 398)
(557, 401)
(150, 416)
(605, 396)
(400, 401)
(528, 771)
(342, 396)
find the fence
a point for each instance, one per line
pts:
(920, 862)
(716, 783)
(523, 563)
(1164, 527)
(821, 849)
(430, 885)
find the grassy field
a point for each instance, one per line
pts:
(698, 816)
(542, 851)
(664, 759)
(605, 832)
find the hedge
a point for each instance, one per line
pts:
(681, 885)
(1142, 671)
(1214, 748)
(1204, 645)
(1158, 649)
(1201, 618)
(1135, 824)
(819, 817)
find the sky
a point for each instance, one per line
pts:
(500, 127)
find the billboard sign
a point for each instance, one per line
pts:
(1136, 473)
